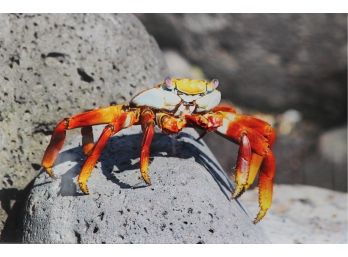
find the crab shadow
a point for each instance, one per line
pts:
(122, 153)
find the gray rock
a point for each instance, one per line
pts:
(179, 67)
(304, 214)
(333, 145)
(56, 65)
(186, 203)
(269, 62)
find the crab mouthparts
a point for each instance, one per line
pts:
(188, 103)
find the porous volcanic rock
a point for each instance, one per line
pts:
(55, 65)
(188, 201)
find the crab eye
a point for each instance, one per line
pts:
(215, 83)
(168, 84)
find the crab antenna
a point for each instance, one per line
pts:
(168, 83)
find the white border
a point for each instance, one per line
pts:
(162, 250)
(173, 6)
(140, 6)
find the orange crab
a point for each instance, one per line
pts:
(172, 105)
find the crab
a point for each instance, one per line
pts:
(173, 104)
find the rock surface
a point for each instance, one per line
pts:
(55, 65)
(304, 214)
(186, 203)
(269, 62)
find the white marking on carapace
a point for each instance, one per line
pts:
(157, 98)
(209, 101)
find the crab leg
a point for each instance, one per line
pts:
(94, 117)
(125, 119)
(266, 185)
(91, 160)
(148, 126)
(259, 135)
(242, 166)
(224, 108)
(87, 139)
(170, 124)
(208, 121)
(255, 164)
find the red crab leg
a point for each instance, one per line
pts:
(260, 126)
(266, 185)
(224, 108)
(87, 139)
(208, 121)
(255, 164)
(91, 160)
(148, 125)
(170, 124)
(261, 136)
(242, 166)
(99, 116)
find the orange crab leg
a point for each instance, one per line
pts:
(148, 125)
(224, 108)
(91, 160)
(94, 117)
(261, 135)
(266, 185)
(170, 124)
(87, 139)
(208, 121)
(56, 143)
(260, 126)
(242, 166)
(255, 164)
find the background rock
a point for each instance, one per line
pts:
(188, 201)
(285, 66)
(268, 62)
(55, 65)
(304, 214)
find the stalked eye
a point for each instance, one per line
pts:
(168, 84)
(212, 85)
(215, 83)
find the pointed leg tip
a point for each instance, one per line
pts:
(84, 188)
(85, 191)
(147, 180)
(50, 173)
(238, 191)
(235, 194)
(260, 216)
